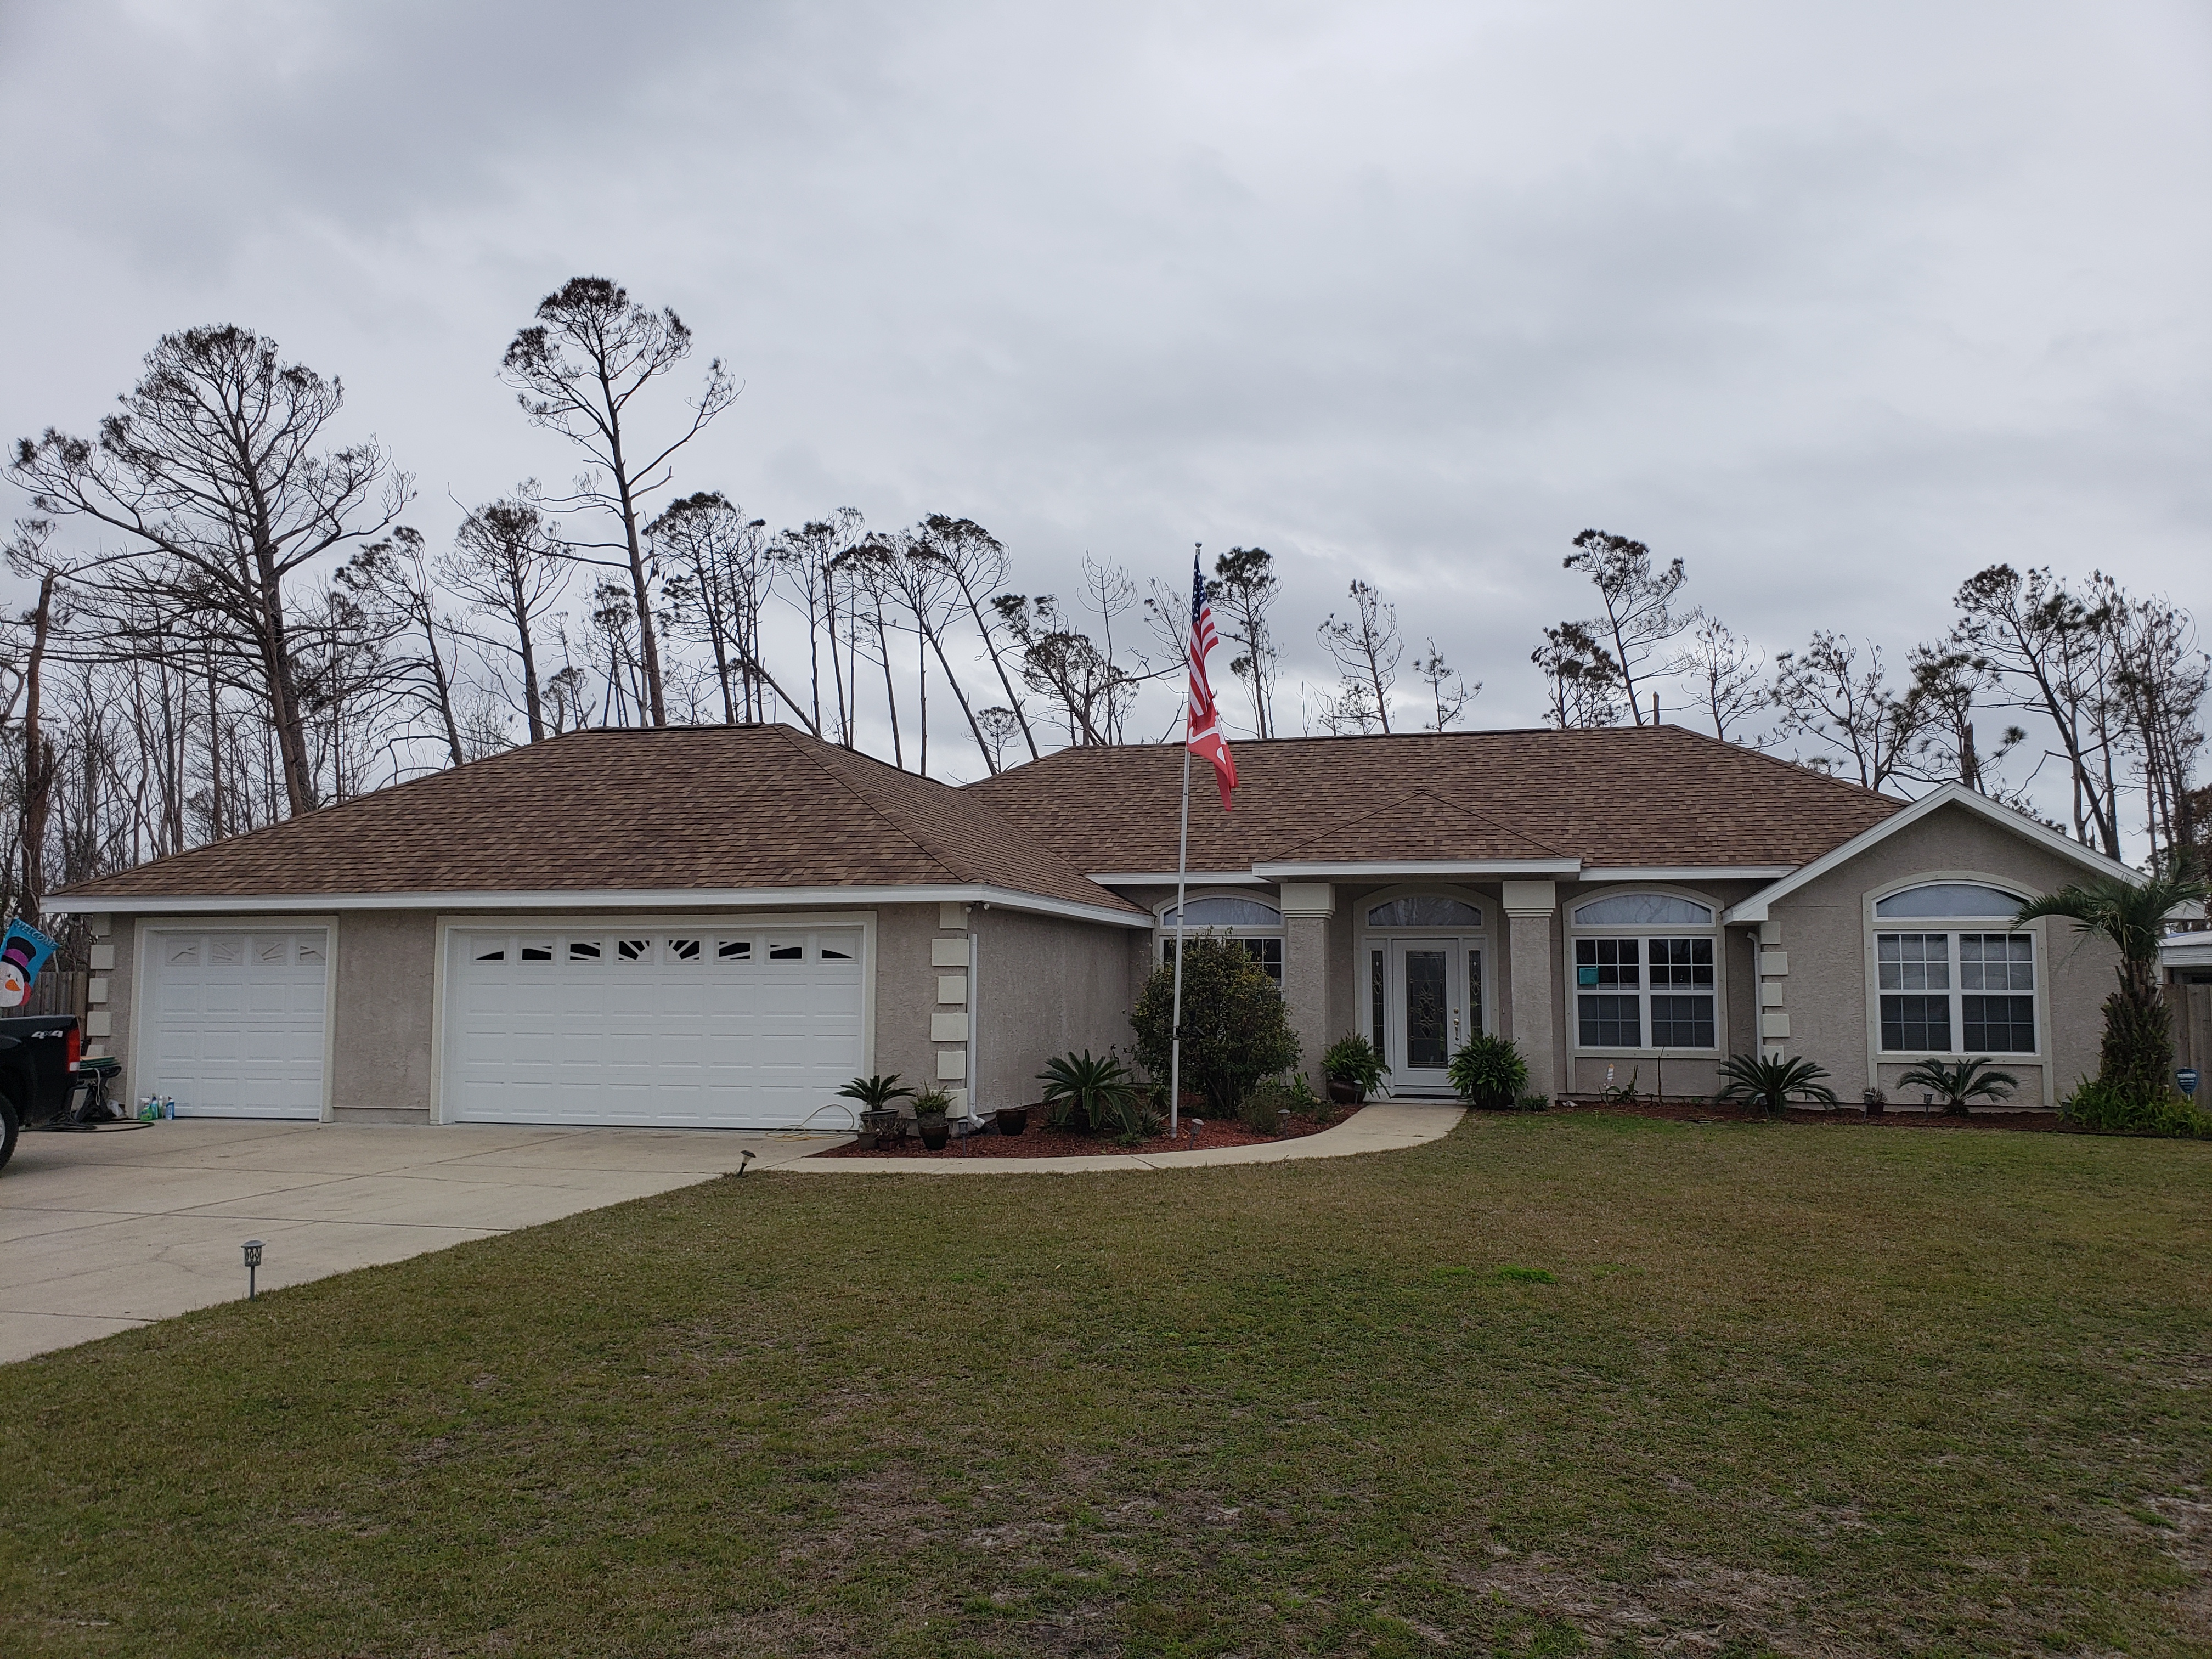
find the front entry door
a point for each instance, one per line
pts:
(1431, 1003)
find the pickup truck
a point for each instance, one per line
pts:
(37, 1073)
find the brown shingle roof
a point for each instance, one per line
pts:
(684, 808)
(1633, 795)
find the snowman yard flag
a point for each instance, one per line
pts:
(22, 953)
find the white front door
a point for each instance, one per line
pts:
(1428, 1000)
(233, 1025)
(715, 1024)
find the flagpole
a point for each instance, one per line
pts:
(1182, 869)
(1183, 873)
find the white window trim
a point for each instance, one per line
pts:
(1877, 1055)
(610, 925)
(1163, 935)
(1366, 938)
(147, 926)
(1571, 931)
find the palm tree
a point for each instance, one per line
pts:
(1958, 1086)
(2138, 1045)
(1773, 1082)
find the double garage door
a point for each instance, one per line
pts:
(715, 1024)
(712, 1025)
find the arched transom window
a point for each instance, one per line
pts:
(1644, 972)
(1251, 923)
(1953, 974)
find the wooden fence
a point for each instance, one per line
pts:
(54, 993)
(2192, 1026)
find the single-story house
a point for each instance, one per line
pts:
(720, 926)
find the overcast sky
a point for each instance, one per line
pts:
(1836, 303)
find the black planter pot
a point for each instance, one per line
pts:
(1345, 1093)
(936, 1131)
(1012, 1119)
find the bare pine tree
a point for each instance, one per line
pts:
(1723, 673)
(1367, 648)
(214, 473)
(1449, 691)
(509, 564)
(578, 370)
(1841, 701)
(1585, 687)
(1638, 603)
(1242, 589)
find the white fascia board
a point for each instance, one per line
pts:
(1755, 909)
(633, 898)
(1169, 878)
(1396, 869)
(1685, 872)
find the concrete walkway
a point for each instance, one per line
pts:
(100, 1232)
(1385, 1127)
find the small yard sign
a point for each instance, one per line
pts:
(2186, 1076)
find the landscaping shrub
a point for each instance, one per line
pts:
(1488, 1072)
(1960, 1085)
(1270, 1095)
(1099, 1095)
(1235, 1028)
(2137, 1050)
(1532, 1104)
(2114, 1109)
(1758, 1081)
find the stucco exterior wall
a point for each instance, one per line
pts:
(906, 993)
(1047, 985)
(1824, 930)
(382, 1015)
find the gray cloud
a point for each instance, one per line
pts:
(1838, 306)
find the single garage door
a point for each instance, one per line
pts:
(234, 1023)
(712, 1025)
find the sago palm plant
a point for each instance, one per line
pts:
(2138, 1045)
(1957, 1084)
(1773, 1082)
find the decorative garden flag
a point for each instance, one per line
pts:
(22, 953)
(1204, 737)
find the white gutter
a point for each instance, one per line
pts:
(627, 898)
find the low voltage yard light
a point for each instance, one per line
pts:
(744, 1159)
(1197, 1128)
(253, 1261)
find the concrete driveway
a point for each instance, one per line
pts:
(100, 1232)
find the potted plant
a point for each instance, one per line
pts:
(879, 1117)
(930, 1110)
(1012, 1119)
(1489, 1071)
(1354, 1069)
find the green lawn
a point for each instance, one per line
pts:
(1805, 1390)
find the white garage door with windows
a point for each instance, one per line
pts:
(233, 1022)
(706, 1025)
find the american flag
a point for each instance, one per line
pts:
(1204, 736)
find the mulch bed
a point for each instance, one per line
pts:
(1038, 1141)
(1896, 1117)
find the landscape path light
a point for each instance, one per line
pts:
(744, 1159)
(253, 1263)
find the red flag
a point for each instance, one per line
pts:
(1204, 736)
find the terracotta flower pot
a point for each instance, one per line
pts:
(1012, 1119)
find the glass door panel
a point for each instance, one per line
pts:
(1422, 1007)
(1428, 1008)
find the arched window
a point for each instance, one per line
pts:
(1645, 972)
(1961, 982)
(1251, 923)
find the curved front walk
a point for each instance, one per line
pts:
(1383, 1128)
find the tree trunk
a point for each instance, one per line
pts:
(38, 755)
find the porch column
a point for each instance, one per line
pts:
(1307, 907)
(1529, 906)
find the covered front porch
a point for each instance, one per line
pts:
(1597, 977)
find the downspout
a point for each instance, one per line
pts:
(974, 988)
